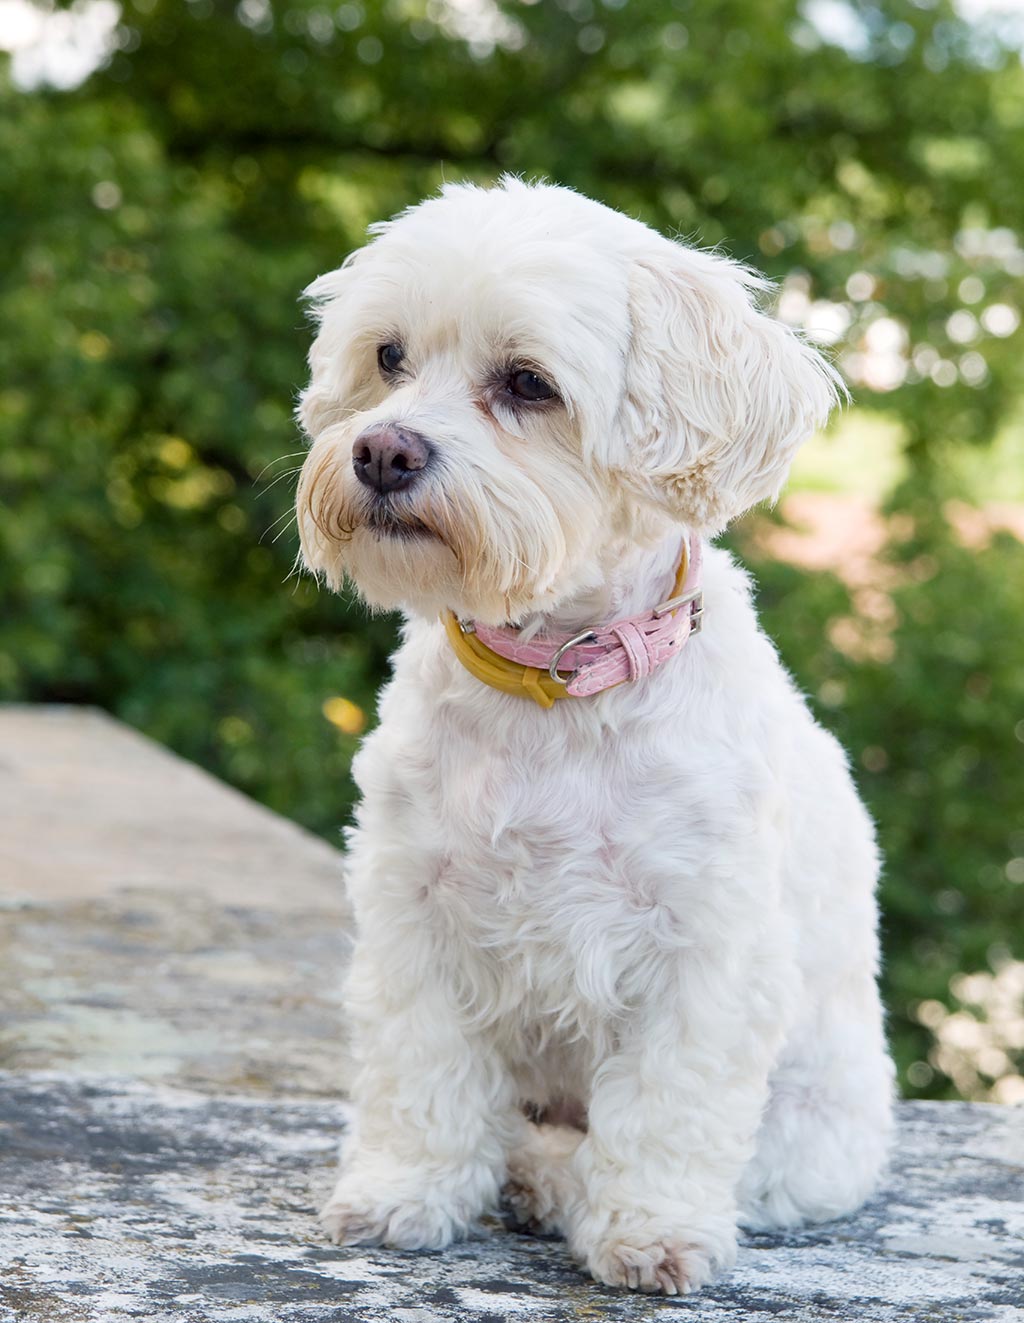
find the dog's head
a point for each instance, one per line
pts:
(511, 385)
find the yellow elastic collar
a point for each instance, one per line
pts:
(512, 677)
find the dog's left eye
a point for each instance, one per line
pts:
(527, 385)
(390, 358)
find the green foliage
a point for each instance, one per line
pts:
(935, 731)
(149, 390)
(158, 223)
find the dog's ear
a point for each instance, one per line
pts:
(331, 359)
(718, 396)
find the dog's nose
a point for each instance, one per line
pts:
(389, 458)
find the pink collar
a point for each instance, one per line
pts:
(603, 656)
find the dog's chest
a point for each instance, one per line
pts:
(557, 863)
(561, 858)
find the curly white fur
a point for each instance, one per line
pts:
(656, 905)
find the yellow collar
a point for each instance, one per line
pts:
(512, 677)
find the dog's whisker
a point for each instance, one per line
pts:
(288, 473)
(286, 514)
(292, 523)
(295, 454)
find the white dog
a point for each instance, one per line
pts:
(642, 916)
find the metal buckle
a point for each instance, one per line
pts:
(588, 636)
(467, 626)
(674, 603)
(696, 596)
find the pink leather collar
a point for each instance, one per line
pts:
(607, 655)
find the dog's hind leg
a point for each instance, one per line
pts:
(824, 1137)
(541, 1184)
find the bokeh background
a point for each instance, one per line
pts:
(174, 172)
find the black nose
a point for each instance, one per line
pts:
(389, 458)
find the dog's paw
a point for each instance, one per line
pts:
(665, 1267)
(530, 1204)
(347, 1225)
(406, 1218)
(540, 1183)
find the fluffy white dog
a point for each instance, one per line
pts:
(616, 953)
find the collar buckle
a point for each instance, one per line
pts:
(674, 603)
(586, 636)
(697, 613)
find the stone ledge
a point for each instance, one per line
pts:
(155, 922)
(123, 1200)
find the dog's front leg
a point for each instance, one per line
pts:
(672, 1119)
(426, 1152)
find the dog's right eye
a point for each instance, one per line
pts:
(527, 385)
(389, 359)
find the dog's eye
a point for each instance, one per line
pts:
(389, 359)
(526, 385)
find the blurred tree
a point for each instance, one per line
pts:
(872, 150)
(934, 725)
(158, 222)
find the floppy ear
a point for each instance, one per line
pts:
(718, 396)
(331, 358)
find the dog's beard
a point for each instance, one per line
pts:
(482, 545)
(383, 519)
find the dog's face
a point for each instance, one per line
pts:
(512, 385)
